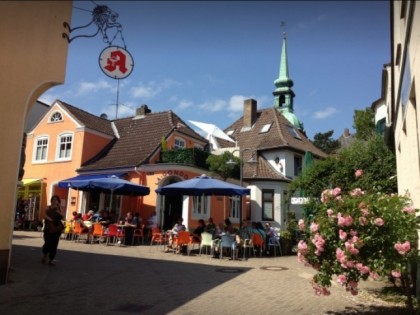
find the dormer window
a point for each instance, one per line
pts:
(265, 128)
(56, 117)
(230, 132)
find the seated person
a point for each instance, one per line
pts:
(196, 235)
(105, 219)
(272, 235)
(179, 226)
(210, 227)
(130, 223)
(245, 232)
(82, 223)
(229, 229)
(88, 216)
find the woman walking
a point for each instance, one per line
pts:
(52, 230)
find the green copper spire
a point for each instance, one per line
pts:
(283, 94)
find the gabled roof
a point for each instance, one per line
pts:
(139, 139)
(89, 120)
(281, 134)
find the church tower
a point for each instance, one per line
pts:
(283, 94)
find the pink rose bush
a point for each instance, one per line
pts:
(358, 235)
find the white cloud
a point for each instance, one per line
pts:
(213, 106)
(327, 112)
(184, 104)
(123, 111)
(48, 98)
(92, 87)
(151, 88)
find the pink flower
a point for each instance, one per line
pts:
(326, 195)
(301, 224)
(356, 192)
(402, 248)
(374, 275)
(409, 210)
(302, 247)
(362, 221)
(342, 279)
(379, 221)
(365, 212)
(358, 173)
(350, 248)
(339, 254)
(314, 227)
(348, 220)
(341, 221)
(342, 235)
(363, 269)
(330, 212)
(336, 191)
(396, 273)
(319, 243)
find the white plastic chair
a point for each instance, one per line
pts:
(275, 242)
(206, 240)
(248, 245)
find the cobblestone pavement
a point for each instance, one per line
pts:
(92, 278)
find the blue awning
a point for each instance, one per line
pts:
(66, 183)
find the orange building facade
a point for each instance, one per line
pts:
(68, 142)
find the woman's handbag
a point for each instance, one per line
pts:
(53, 227)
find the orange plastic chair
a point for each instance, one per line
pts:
(138, 233)
(258, 242)
(157, 237)
(78, 231)
(98, 232)
(183, 239)
(116, 234)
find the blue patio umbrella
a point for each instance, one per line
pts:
(112, 185)
(203, 185)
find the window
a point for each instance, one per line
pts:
(265, 128)
(200, 206)
(41, 149)
(268, 204)
(294, 133)
(230, 132)
(179, 144)
(64, 147)
(56, 117)
(298, 165)
(234, 207)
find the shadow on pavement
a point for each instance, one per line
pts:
(83, 283)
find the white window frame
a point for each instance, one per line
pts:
(58, 150)
(178, 145)
(36, 146)
(56, 113)
(234, 208)
(201, 207)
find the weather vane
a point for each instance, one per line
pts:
(115, 61)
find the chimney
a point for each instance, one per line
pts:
(250, 113)
(143, 110)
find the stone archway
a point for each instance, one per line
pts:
(33, 59)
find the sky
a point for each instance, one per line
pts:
(202, 59)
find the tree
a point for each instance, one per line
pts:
(364, 123)
(373, 156)
(218, 165)
(324, 142)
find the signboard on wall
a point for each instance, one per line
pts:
(299, 200)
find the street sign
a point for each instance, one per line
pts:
(299, 200)
(116, 62)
